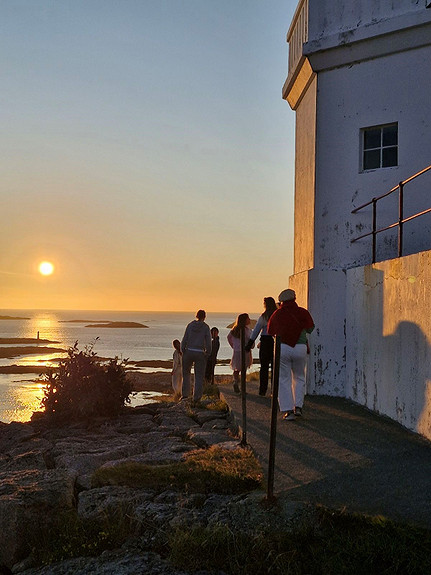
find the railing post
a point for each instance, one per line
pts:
(243, 390)
(274, 413)
(374, 229)
(400, 218)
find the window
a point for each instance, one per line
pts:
(380, 147)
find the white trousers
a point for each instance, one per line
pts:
(292, 376)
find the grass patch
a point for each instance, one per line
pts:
(213, 470)
(326, 542)
(72, 536)
(318, 541)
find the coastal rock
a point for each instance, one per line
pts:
(85, 455)
(137, 423)
(108, 500)
(203, 416)
(176, 420)
(206, 438)
(215, 424)
(28, 501)
(31, 499)
(160, 449)
(46, 470)
(35, 454)
(124, 562)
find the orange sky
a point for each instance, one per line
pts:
(147, 154)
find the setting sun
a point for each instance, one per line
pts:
(46, 268)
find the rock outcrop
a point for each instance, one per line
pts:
(46, 471)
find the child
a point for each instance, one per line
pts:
(177, 367)
(212, 359)
(234, 339)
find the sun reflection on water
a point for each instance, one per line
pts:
(20, 401)
(46, 325)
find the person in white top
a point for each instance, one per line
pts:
(177, 367)
(234, 339)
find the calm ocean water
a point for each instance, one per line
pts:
(20, 395)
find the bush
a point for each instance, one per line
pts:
(84, 387)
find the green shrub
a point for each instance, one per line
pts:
(85, 386)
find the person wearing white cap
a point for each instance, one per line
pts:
(292, 323)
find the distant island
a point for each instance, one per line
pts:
(118, 324)
(12, 317)
(9, 340)
(9, 352)
(105, 323)
(84, 321)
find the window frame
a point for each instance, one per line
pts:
(381, 148)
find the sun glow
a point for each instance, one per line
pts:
(46, 268)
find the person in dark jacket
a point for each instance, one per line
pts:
(196, 347)
(212, 359)
(266, 344)
(292, 323)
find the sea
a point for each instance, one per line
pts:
(21, 394)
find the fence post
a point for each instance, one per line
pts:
(400, 218)
(374, 229)
(274, 413)
(243, 391)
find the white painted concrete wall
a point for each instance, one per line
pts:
(385, 90)
(338, 17)
(388, 339)
(327, 305)
(373, 328)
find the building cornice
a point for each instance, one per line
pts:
(297, 83)
(376, 40)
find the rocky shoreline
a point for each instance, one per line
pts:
(45, 471)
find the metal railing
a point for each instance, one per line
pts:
(401, 219)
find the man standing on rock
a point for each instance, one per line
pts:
(196, 347)
(292, 323)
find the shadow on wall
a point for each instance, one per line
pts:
(411, 358)
(392, 373)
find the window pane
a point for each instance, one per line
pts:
(371, 159)
(372, 138)
(390, 135)
(390, 157)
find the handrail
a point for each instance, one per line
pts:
(401, 220)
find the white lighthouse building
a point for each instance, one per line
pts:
(359, 82)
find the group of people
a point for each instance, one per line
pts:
(200, 345)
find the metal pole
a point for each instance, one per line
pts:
(274, 413)
(374, 229)
(400, 219)
(243, 392)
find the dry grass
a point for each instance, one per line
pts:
(214, 470)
